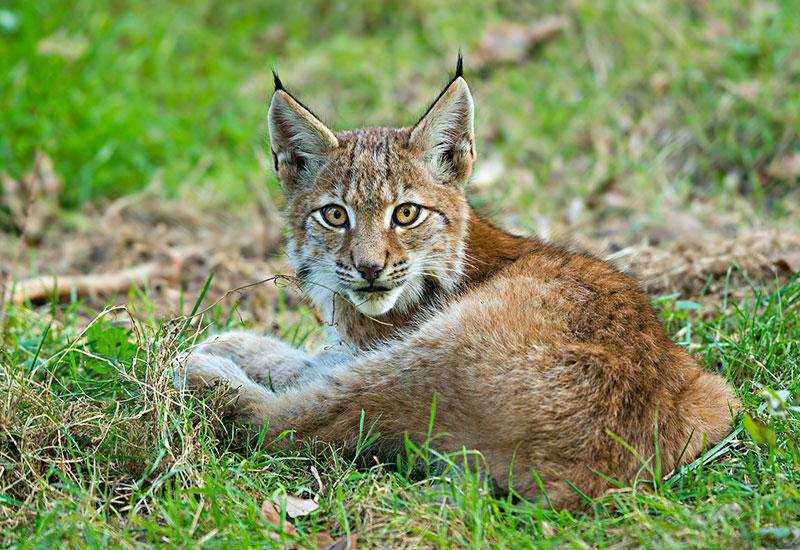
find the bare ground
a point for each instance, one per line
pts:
(169, 246)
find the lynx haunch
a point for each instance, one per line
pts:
(539, 358)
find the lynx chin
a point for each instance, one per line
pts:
(541, 359)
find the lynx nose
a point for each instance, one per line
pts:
(369, 271)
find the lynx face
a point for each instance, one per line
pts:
(377, 215)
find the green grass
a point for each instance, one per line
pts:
(644, 94)
(96, 447)
(665, 104)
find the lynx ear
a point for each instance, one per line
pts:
(299, 141)
(445, 136)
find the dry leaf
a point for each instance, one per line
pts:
(509, 42)
(273, 517)
(786, 167)
(789, 262)
(296, 506)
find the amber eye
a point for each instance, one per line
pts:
(334, 215)
(406, 214)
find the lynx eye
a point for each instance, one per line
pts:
(334, 215)
(406, 214)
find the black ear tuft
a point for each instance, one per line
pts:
(279, 87)
(459, 74)
(277, 80)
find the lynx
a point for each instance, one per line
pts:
(544, 360)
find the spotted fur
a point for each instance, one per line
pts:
(541, 359)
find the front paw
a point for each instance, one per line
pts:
(264, 360)
(194, 369)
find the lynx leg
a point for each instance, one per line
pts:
(267, 360)
(198, 370)
(394, 386)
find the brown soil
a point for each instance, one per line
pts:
(698, 256)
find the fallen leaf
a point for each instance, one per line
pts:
(509, 42)
(789, 262)
(786, 167)
(779, 401)
(296, 506)
(273, 517)
(547, 529)
(575, 210)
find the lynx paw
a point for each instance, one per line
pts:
(195, 369)
(263, 360)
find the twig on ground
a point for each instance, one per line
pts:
(45, 287)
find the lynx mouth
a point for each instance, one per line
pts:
(374, 300)
(373, 289)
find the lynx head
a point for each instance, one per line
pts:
(376, 215)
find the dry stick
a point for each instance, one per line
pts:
(49, 286)
(46, 287)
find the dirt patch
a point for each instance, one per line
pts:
(696, 253)
(168, 248)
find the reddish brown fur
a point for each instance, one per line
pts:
(537, 357)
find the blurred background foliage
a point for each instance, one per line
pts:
(663, 101)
